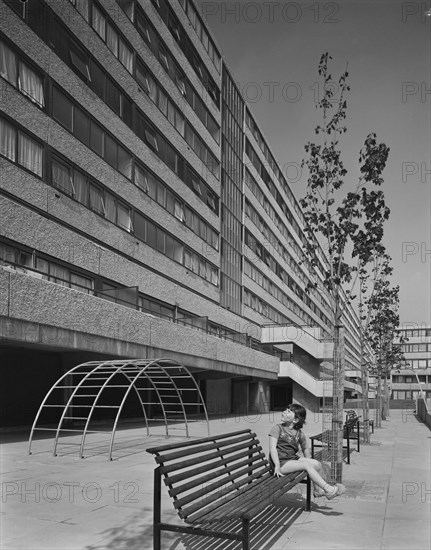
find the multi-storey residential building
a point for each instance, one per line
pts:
(144, 215)
(414, 376)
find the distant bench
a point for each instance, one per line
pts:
(350, 432)
(218, 478)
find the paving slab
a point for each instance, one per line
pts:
(65, 502)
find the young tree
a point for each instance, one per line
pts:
(382, 334)
(350, 228)
(369, 283)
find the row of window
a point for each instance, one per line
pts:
(111, 37)
(251, 124)
(19, 147)
(264, 174)
(259, 278)
(262, 307)
(202, 33)
(18, 73)
(159, 192)
(104, 27)
(268, 259)
(271, 240)
(413, 348)
(176, 118)
(41, 266)
(168, 62)
(186, 45)
(403, 379)
(408, 394)
(272, 214)
(416, 332)
(95, 77)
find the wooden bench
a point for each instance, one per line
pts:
(218, 478)
(350, 432)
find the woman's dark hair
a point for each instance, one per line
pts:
(300, 414)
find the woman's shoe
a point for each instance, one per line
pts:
(332, 493)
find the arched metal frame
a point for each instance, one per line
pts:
(162, 375)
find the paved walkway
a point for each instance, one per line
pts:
(65, 502)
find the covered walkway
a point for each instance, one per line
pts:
(70, 503)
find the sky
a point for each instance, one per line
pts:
(273, 49)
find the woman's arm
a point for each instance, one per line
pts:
(304, 445)
(274, 455)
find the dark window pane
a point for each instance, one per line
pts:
(124, 162)
(80, 62)
(81, 126)
(126, 114)
(139, 225)
(160, 240)
(62, 109)
(111, 151)
(96, 139)
(151, 234)
(97, 79)
(113, 96)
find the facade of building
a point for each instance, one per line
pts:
(143, 213)
(414, 377)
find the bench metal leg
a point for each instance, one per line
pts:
(308, 505)
(348, 447)
(245, 534)
(157, 510)
(357, 432)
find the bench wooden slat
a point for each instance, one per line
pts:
(255, 499)
(183, 444)
(196, 513)
(201, 449)
(205, 457)
(210, 466)
(230, 477)
(199, 480)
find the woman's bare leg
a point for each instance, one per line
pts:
(312, 467)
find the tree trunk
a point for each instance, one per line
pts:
(336, 444)
(379, 403)
(364, 386)
(385, 399)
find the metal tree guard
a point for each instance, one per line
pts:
(161, 383)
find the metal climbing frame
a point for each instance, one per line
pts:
(162, 387)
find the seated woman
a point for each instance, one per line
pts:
(284, 442)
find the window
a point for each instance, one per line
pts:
(128, 8)
(7, 140)
(80, 61)
(179, 210)
(196, 186)
(20, 75)
(29, 154)
(96, 199)
(62, 177)
(163, 57)
(98, 22)
(174, 27)
(151, 138)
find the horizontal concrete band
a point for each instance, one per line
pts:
(14, 331)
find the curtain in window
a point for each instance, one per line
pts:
(123, 217)
(81, 187)
(125, 56)
(82, 7)
(141, 178)
(7, 140)
(7, 64)
(30, 84)
(61, 177)
(111, 211)
(59, 274)
(29, 154)
(124, 162)
(99, 22)
(112, 40)
(96, 200)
